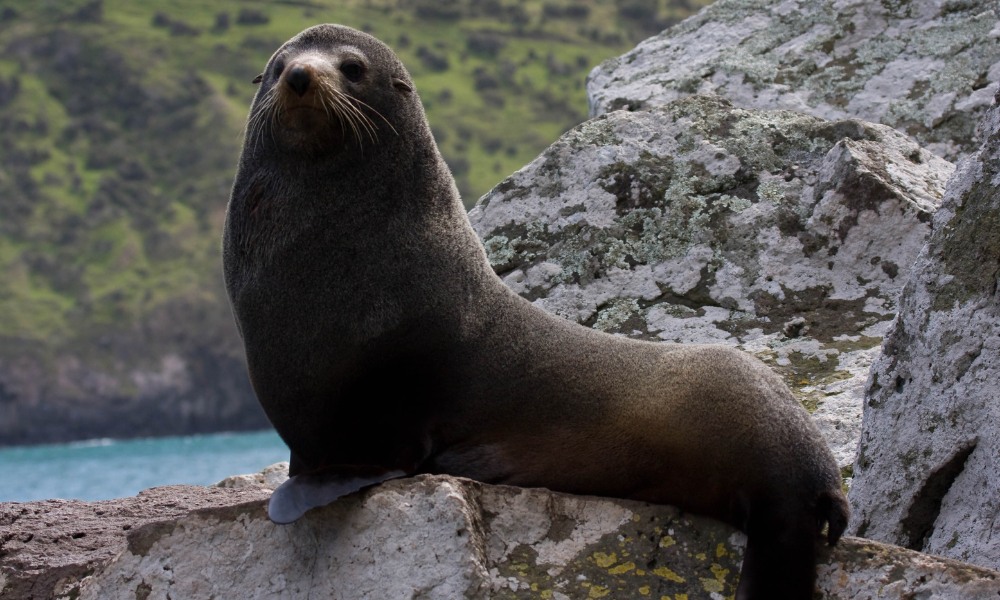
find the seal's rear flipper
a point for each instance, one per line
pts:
(835, 511)
(300, 493)
(773, 571)
(780, 558)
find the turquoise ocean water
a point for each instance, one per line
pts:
(103, 469)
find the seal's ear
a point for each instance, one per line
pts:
(258, 78)
(401, 85)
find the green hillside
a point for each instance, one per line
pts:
(121, 123)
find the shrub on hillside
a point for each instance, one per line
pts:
(249, 16)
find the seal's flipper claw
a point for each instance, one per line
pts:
(298, 494)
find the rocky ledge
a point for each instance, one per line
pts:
(425, 537)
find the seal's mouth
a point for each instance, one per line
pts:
(304, 117)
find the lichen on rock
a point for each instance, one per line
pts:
(925, 67)
(708, 222)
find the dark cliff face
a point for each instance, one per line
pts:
(171, 376)
(213, 394)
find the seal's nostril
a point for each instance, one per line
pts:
(298, 79)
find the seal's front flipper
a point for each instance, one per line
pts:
(300, 493)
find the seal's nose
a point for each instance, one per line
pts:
(298, 79)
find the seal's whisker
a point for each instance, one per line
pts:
(369, 124)
(262, 119)
(380, 115)
(350, 113)
(347, 112)
(250, 130)
(255, 122)
(363, 123)
(330, 106)
(347, 118)
(277, 116)
(358, 119)
(325, 100)
(326, 96)
(333, 102)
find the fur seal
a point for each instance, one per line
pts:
(381, 344)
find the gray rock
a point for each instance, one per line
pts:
(441, 537)
(268, 478)
(696, 221)
(926, 67)
(48, 547)
(926, 474)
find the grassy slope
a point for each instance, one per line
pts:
(121, 130)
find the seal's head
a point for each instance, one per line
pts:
(328, 89)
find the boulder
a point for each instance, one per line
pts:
(925, 67)
(270, 478)
(698, 221)
(440, 537)
(48, 547)
(926, 472)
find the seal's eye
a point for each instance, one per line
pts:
(353, 70)
(279, 66)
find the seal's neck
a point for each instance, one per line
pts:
(396, 208)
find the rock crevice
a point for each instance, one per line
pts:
(925, 475)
